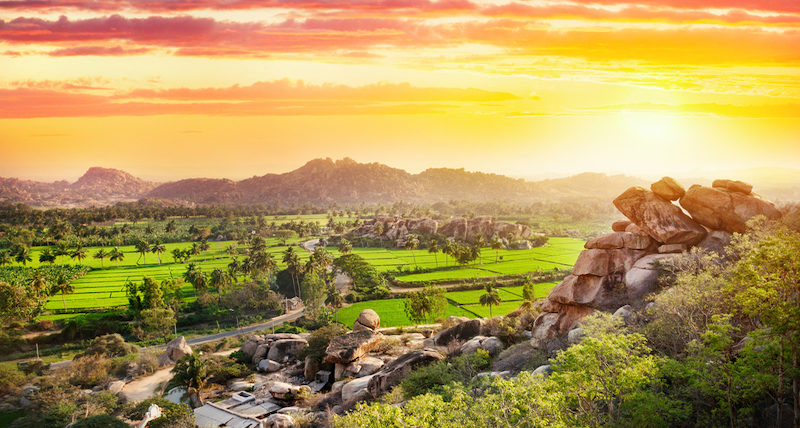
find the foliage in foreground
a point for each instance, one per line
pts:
(719, 348)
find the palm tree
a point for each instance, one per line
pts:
(191, 372)
(447, 249)
(491, 298)
(142, 247)
(345, 247)
(335, 300)
(479, 244)
(116, 255)
(158, 249)
(23, 255)
(411, 244)
(101, 254)
(62, 249)
(195, 276)
(293, 265)
(496, 244)
(47, 256)
(39, 284)
(170, 227)
(5, 258)
(64, 286)
(433, 248)
(219, 279)
(78, 253)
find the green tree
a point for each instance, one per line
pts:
(433, 248)
(220, 280)
(294, 267)
(101, 254)
(491, 298)
(158, 322)
(23, 255)
(529, 289)
(411, 244)
(497, 244)
(142, 247)
(46, 256)
(313, 291)
(426, 305)
(193, 275)
(192, 372)
(335, 300)
(766, 286)
(79, 253)
(116, 255)
(345, 247)
(63, 285)
(158, 249)
(5, 258)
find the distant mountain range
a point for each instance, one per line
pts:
(345, 181)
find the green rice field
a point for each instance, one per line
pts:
(462, 303)
(104, 285)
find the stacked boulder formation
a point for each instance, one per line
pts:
(397, 229)
(269, 352)
(621, 268)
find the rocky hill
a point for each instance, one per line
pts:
(343, 182)
(98, 186)
(617, 270)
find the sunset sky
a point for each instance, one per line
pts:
(236, 88)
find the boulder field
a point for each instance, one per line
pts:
(621, 268)
(397, 229)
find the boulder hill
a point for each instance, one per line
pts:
(621, 268)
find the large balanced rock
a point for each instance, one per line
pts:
(392, 373)
(663, 221)
(722, 209)
(176, 349)
(349, 347)
(668, 189)
(733, 186)
(459, 332)
(367, 320)
(285, 349)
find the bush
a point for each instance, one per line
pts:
(89, 371)
(172, 415)
(223, 369)
(319, 340)
(100, 421)
(148, 362)
(112, 345)
(10, 379)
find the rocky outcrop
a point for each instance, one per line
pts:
(257, 347)
(492, 345)
(460, 332)
(176, 349)
(397, 229)
(349, 347)
(392, 373)
(285, 350)
(618, 270)
(722, 208)
(367, 320)
(662, 220)
(668, 189)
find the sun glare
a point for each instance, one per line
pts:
(656, 128)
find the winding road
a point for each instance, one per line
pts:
(291, 316)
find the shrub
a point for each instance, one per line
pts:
(148, 362)
(112, 345)
(319, 340)
(172, 415)
(430, 378)
(89, 371)
(100, 421)
(10, 379)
